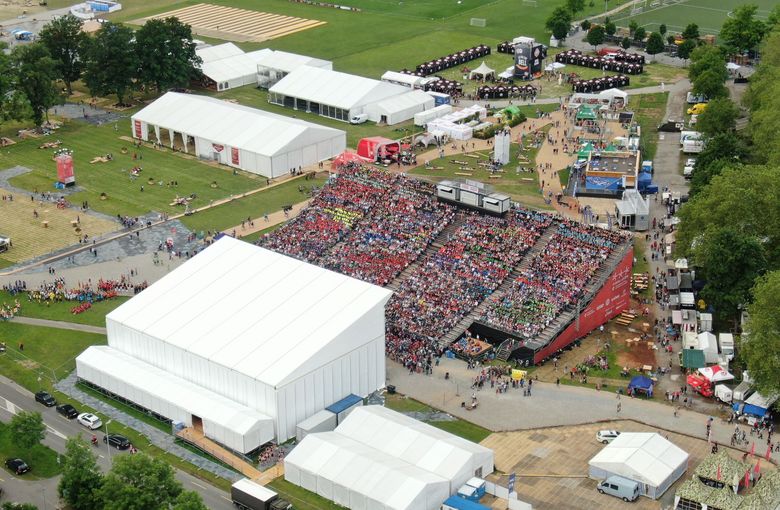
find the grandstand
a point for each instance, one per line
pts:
(527, 282)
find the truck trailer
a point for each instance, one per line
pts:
(248, 495)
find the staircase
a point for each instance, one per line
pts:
(200, 441)
(477, 312)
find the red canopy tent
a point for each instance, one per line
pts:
(377, 147)
(345, 158)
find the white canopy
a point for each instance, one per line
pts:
(716, 374)
(483, 71)
(211, 53)
(396, 109)
(289, 62)
(261, 314)
(554, 66)
(731, 66)
(332, 88)
(408, 80)
(641, 456)
(758, 400)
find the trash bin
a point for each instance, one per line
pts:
(391, 389)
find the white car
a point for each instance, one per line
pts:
(90, 421)
(690, 162)
(606, 436)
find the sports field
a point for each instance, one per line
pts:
(676, 15)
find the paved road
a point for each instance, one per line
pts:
(60, 325)
(43, 493)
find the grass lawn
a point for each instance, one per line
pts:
(458, 427)
(251, 238)
(114, 178)
(563, 175)
(649, 110)
(253, 206)
(41, 459)
(300, 498)
(48, 352)
(95, 316)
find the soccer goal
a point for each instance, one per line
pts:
(530, 3)
(478, 22)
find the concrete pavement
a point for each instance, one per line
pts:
(46, 323)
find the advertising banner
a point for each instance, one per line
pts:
(234, 155)
(65, 169)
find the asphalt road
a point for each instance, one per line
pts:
(43, 493)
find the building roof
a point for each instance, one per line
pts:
(693, 358)
(641, 456)
(343, 462)
(729, 467)
(218, 52)
(333, 88)
(415, 442)
(174, 390)
(232, 124)
(259, 313)
(288, 62)
(344, 404)
(401, 103)
(234, 66)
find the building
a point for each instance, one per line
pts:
(378, 458)
(397, 109)
(238, 136)
(608, 173)
(243, 344)
(226, 66)
(274, 66)
(331, 94)
(632, 211)
(644, 457)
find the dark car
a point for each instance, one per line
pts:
(45, 398)
(17, 466)
(117, 441)
(67, 410)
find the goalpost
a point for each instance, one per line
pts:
(478, 22)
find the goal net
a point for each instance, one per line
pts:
(531, 3)
(478, 22)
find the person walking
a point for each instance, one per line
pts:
(618, 407)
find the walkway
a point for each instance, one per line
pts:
(199, 439)
(46, 323)
(261, 223)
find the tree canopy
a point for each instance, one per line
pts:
(655, 43)
(81, 477)
(763, 99)
(691, 31)
(27, 429)
(685, 49)
(724, 150)
(575, 6)
(595, 36)
(559, 22)
(640, 33)
(742, 31)
(761, 342)
(139, 482)
(610, 28)
(64, 39)
(112, 63)
(719, 117)
(166, 54)
(35, 72)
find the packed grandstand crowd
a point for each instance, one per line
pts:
(371, 224)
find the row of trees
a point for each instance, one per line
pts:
(731, 226)
(116, 60)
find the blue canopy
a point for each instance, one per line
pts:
(464, 504)
(640, 382)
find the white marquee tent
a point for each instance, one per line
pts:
(330, 93)
(644, 457)
(227, 66)
(253, 140)
(268, 332)
(482, 72)
(211, 53)
(398, 109)
(275, 65)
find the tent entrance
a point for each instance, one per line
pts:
(197, 423)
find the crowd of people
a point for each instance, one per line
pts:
(556, 279)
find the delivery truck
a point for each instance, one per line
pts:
(248, 495)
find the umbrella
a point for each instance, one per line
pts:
(731, 66)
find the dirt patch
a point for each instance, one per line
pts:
(29, 364)
(636, 355)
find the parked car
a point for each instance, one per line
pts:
(118, 441)
(606, 436)
(45, 398)
(697, 109)
(90, 421)
(623, 488)
(17, 466)
(67, 410)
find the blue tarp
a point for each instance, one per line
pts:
(464, 504)
(344, 404)
(640, 382)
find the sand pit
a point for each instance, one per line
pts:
(234, 24)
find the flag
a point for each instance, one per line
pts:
(757, 469)
(736, 483)
(717, 476)
(747, 478)
(752, 449)
(768, 452)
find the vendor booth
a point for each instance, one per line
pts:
(640, 384)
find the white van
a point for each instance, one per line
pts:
(623, 488)
(359, 118)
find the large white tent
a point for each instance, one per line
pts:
(253, 140)
(330, 93)
(379, 458)
(226, 66)
(645, 457)
(275, 65)
(268, 332)
(394, 110)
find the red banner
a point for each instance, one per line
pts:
(137, 125)
(234, 155)
(609, 302)
(65, 169)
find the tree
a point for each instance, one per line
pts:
(189, 500)
(639, 34)
(719, 117)
(742, 199)
(685, 48)
(112, 62)
(760, 344)
(710, 84)
(705, 58)
(730, 261)
(662, 29)
(27, 429)
(722, 151)
(625, 43)
(670, 39)
(773, 19)
(585, 25)
(81, 477)
(13, 103)
(139, 482)
(19, 506)
(64, 39)
(35, 72)
(596, 36)
(166, 53)
(742, 31)
(575, 6)
(632, 26)
(691, 31)
(559, 22)
(610, 28)
(655, 43)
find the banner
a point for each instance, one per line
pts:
(234, 155)
(137, 126)
(65, 169)
(217, 147)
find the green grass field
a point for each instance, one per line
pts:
(95, 316)
(41, 459)
(705, 13)
(462, 428)
(649, 110)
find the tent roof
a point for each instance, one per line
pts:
(640, 381)
(413, 441)
(758, 400)
(235, 125)
(218, 52)
(262, 314)
(405, 101)
(288, 62)
(482, 70)
(234, 66)
(333, 88)
(708, 468)
(408, 79)
(642, 456)
(715, 373)
(364, 470)
(693, 358)
(585, 112)
(174, 390)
